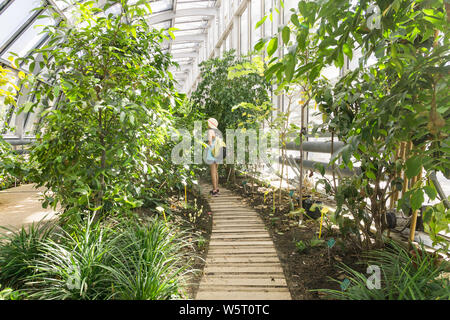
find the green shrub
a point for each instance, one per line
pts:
(128, 259)
(404, 276)
(102, 150)
(18, 249)
(147, 262)
(71, 266)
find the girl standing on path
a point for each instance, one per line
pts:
(213, 132)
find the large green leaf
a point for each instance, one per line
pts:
(413, 166)
(272, 46)
(286, 33)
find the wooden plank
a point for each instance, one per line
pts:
(242, 262)
(274, 269)
(241, 259)
(243, 295)
(247, 216)
(262, 281)
(241, 236)
(274, 264)
(218, 243)
(226, 225)
(241, 252)
(241, 230)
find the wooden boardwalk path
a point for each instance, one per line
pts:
(242, 263)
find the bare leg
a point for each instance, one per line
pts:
(217, 176)
(214, 175)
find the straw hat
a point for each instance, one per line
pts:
(212, 123)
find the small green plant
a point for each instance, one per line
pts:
(10, 294)
(316, 243)
(304, 246)
(18, 249)
(129, 258)
(301, 246)
(296, 214)
(147, 262)
(405, 275)
(201, 242)
(71, 265)
(194, 211)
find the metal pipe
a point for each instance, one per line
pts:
(26, 151)
(309, 164)
(316, 146)
(439, 189)
(18, 142)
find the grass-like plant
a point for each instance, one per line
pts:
(405, 275)
(127, 259)
(148, 262)
(10, 294)
(71, 266)
(18, 249)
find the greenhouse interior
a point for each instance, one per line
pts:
(224, 150)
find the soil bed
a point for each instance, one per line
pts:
(195, 219)
(307, 270)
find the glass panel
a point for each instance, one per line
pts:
(226, 12)
(4, 109)
(288, 5)
(30, 38)
(256, 16)
(193, 4)
(267, 23)
(162, 25)
(244, 32)
(15, 16)
(330, 72)
(62, 4)
(189, 32)
(190, 25)
(190, 19)
(184, 50)
(160, 6)
(184, 45)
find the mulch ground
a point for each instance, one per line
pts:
(194, 217)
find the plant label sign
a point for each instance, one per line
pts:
(331, 243)
(345, 284)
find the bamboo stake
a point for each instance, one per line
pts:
(273, 208)
(405, 178)
(321, 222)
(398, 155)
(412, 230)
(394, 197)
(300, 185)
(413, 217)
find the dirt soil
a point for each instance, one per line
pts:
(196, 219)
(307, 270)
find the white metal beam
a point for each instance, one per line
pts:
(185, 55)
(164, 16)
(188, 38)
